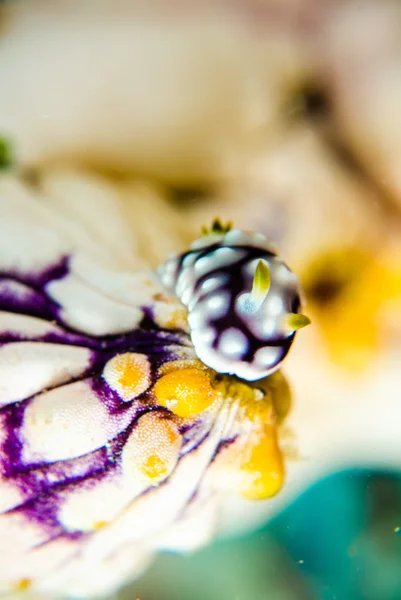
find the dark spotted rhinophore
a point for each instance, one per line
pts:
(243, 301)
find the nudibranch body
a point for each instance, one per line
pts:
(243, 301)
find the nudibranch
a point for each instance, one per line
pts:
(243, 301)
(116, 440)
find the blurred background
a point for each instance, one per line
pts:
(283, 116)
(338, 540)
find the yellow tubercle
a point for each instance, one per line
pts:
(186, 392)
(154, 467)
(263, 469)
(153, 448)
(128, 374)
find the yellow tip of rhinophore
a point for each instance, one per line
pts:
(261, 282)
(296, 321)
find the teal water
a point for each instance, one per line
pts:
(338, 541)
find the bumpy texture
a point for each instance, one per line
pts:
(240, 323)
(115, 440)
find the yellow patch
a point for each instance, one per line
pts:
(178, 318)
(168, 317)
(186, 392)
(263, 468)
(22, 585)
(254, 398)
(153, 448)
(128, 374)
(277, 385)
(348, 292)
(181, 363)
(154, 467)
(253, 463)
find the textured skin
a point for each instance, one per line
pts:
(214, 280)
(115, 440)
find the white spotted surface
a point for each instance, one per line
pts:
(26, 326)
(10, 495)
(68, 422)
(28, 367)
(94, 504)
(79, 299)
(229, 329)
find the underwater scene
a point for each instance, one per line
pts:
(200, 300)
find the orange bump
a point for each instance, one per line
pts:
(23, 584)
(263, 470)
(186, 392)
(128, 374)
(152, 449)
(154, 467)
